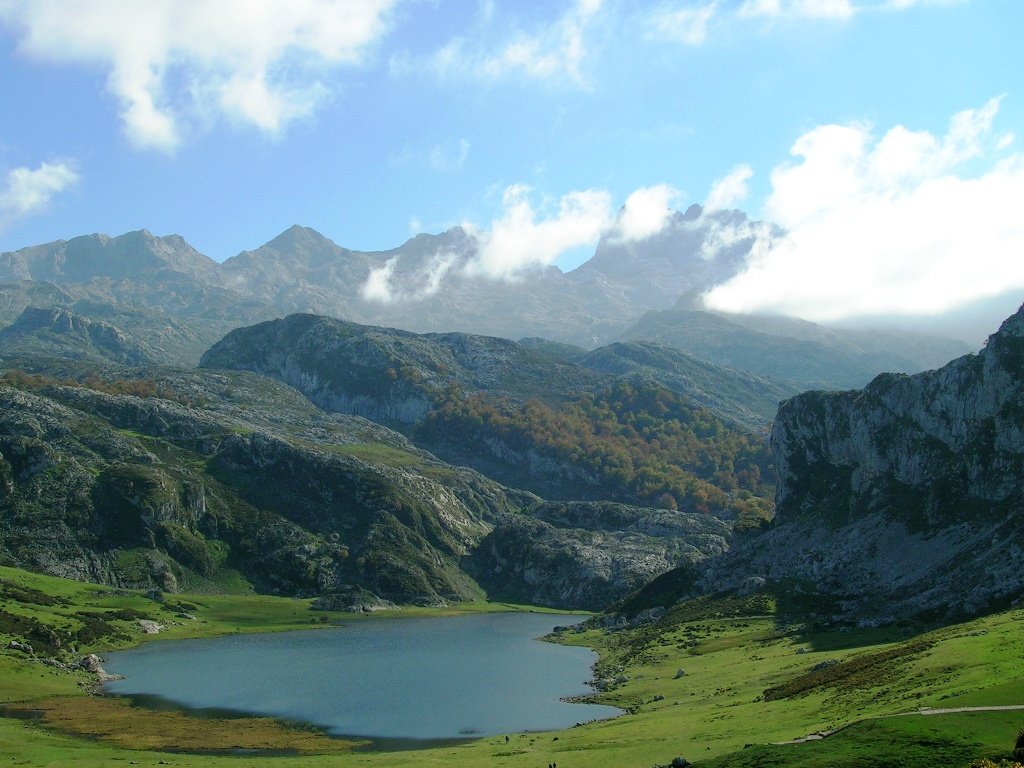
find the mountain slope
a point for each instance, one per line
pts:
(61, 333)
(521, 416)
(161, 287)
(129, 490)
(745, 398)
(694, 251)
(213, 481)
(801, 354)
(132, 256)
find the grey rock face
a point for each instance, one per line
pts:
(590, 553)
(906, 496)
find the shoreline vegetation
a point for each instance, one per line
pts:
(732, 682)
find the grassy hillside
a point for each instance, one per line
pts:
(732, 653)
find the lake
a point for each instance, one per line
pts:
(394, 678)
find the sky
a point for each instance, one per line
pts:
(884, 136)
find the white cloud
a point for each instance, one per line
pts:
(719, 235)
(900, 5)
(902, 224)
(444, 157)
(527, 234)
(646, 212)
(27, 191)
(807, 9)
(425, 282)
(688, 25)
(172, 62)
(378, 284)
(557, 50)
(448, 157)
(520, 240)
(729, 190)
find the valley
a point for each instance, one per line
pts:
(742, 561)
(584, 384)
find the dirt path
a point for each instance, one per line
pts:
(818, 736)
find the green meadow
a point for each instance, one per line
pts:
(721, 682)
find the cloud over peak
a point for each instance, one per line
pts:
(523, 237)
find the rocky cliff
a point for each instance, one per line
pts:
(595, 552)
(904, 497)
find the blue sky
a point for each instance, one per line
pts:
(228, 121)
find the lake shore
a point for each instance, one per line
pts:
(730, 651)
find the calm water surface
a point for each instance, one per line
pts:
(396, 678)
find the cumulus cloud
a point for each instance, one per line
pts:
(730, 189)
(521, 238)
(556, 50)
(908, 223)
(27, 191)
(172, 62)
(688, 25)
(646, 212)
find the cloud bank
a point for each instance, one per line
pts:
(906, 224)
(172, 63)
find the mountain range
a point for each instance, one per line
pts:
(166, 296)
(387, 439)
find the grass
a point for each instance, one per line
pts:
(895, 742)
(732, 652)
(380, 453)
